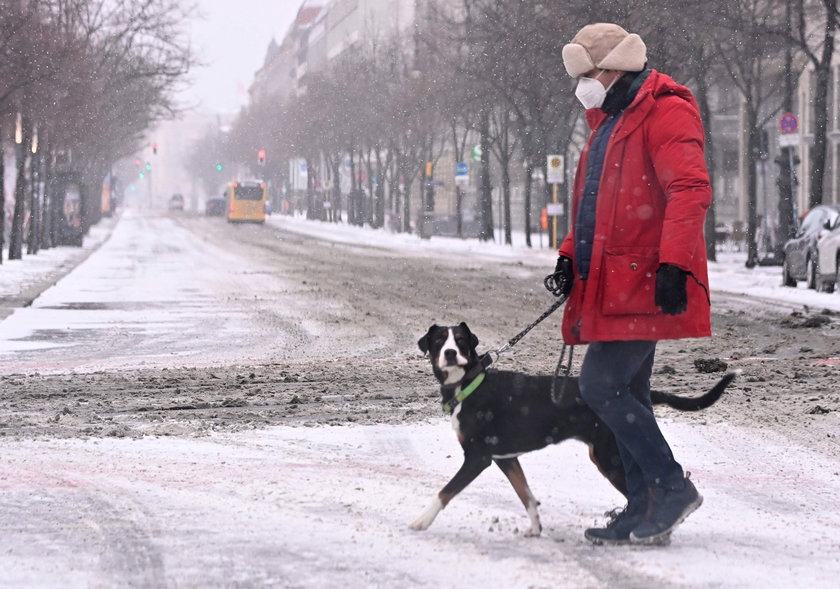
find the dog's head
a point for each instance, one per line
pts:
(451, 350)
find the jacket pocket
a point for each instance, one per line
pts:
(629, 282)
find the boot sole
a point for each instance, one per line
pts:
(606, 541)
(664, 537)
(662, 540)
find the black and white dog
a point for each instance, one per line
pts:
(510, 413)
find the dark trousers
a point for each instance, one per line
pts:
(615, 383)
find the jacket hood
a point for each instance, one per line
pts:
(657, 85)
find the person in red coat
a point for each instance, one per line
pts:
(634, 263)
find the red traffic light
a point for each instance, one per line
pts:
(137, 162)
(154, 148)
(261, 156)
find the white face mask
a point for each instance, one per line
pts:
(591, 92)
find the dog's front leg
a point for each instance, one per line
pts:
(473, 466)
(514, 473)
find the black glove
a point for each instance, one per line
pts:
(560, 283)
(670, 289)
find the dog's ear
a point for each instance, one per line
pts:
(423, 342)
(473, 337)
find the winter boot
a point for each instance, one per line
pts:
(617, 530)
(667, 508)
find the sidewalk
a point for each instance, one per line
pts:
(22, 281)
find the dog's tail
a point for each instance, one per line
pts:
(693, 403)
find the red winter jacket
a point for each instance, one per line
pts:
(651, 206)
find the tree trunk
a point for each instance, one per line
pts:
(369, 208)
(819, 148)
(16, 237)
(486, 194)
(785, 180)
(404, 193)
(822, 71)
(752, 189)
(505, 164)
(706, 115)
(353, 203)
(393, 204)
(379, 192)
(34, 239)
(310, 190)
(2, 196)
(529, 171)
(336, 189)
(406, 214)
(459, 146)
(46, 212)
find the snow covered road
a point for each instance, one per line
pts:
(216, 407)
(325, 507)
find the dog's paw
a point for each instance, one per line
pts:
(533, 532)
(419, 525)
(428, 516)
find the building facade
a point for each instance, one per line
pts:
(324, 30)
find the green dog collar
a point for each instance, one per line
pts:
(465, 392)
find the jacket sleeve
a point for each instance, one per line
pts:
(676, 143)
(567, 248)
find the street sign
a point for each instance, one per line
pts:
(788, 123)
(555, 209)
(462, 173)
(555, 169)
(789, 140)
(476, 153)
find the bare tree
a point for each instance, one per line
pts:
(92, 75)
(814, 32)
(752, 59)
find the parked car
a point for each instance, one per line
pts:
(176, 202)
(215, 207)
(828, 257)
(800, 253)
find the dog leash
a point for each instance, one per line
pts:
(515, 339)
(486, 360)
(476, 375)
(557, 396)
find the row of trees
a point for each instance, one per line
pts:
(80, 82)
(492, 69)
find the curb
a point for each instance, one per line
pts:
(32, 290)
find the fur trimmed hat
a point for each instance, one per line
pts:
(605, 46)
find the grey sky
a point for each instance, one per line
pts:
(231, 37)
